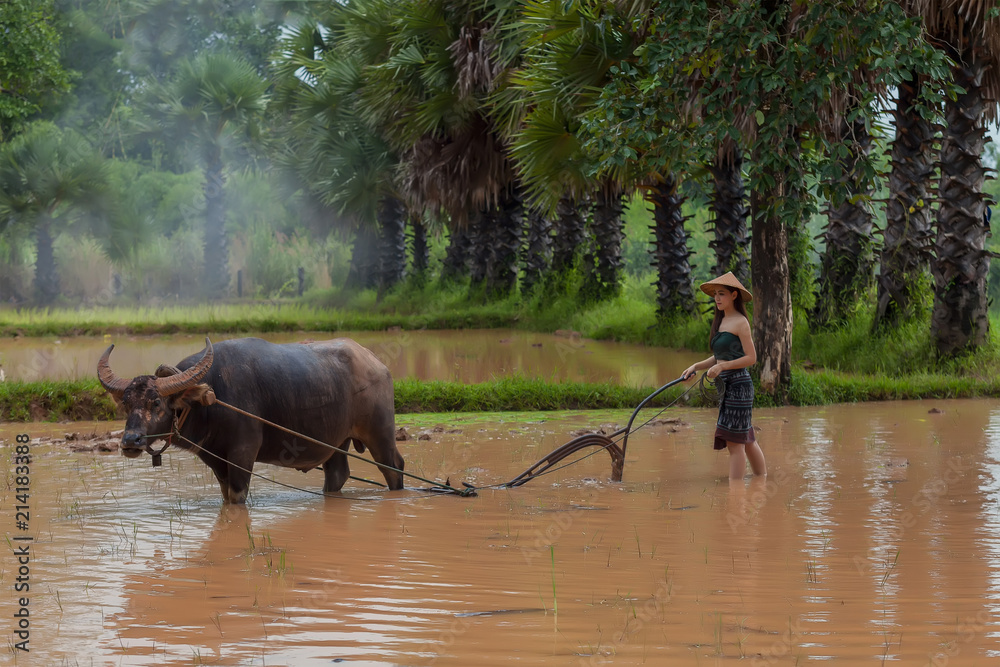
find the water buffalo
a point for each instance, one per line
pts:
(334, 391)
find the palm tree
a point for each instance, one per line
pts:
(410, 77)
(392, 243)
(536, 249)
(570, 227)
(331, 149)
(50, 179)
(420, 253)
(568, 54)
(456, 259)
(904, 261)
(969, 32)
(731, 238)
(212, 100)
(671, 254)
(848, 261)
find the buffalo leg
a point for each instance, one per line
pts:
(336, 470)
(246, 442)
(380, 438)
(221, 471)
(239, 481)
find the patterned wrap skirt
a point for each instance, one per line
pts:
(735, 408)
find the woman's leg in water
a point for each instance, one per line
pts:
(756, 457)
(737, 460)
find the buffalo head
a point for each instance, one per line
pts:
(151, 401)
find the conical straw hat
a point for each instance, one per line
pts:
(727, 280)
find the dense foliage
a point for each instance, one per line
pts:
(833, 154)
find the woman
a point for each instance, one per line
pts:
(732, 353)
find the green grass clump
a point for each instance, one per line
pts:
(78, 400)
(86, 400)
(518, 394)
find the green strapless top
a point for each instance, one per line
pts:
(726, 346)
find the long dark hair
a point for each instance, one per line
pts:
(737, 304)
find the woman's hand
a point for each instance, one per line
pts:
(689, 373)
(714, 371)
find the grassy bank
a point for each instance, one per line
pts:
(86, 400)
(629, 317)
(845, 364)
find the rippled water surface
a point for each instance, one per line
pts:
(876, 539)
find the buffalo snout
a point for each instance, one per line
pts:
(133, 443)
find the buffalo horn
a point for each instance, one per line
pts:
(166, 386)
(115, 385)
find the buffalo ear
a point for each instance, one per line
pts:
(199, 393)
(165, 371)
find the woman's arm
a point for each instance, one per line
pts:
(700, 366)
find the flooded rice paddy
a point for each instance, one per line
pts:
(470, 356)
(874, 540)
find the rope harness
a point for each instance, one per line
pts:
(544, 466)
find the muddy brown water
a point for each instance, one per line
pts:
(875, 539)
(465, 356)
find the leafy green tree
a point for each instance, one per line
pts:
(92, 39)
(49, 180)
(770, 76)
(30, 72)
(212, 103)
(161, 34)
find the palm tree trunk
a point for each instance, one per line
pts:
(509, 223)
(731, 241)
(906, 243)
(961, 264)
(570, 230)
(216, 243)
(420, 251)
(46, 273)
(847, 266)
(362, 273)
(606, 223)
(392, 243)
(481, 237)
(670, 251)
(456, 259)
(537, 250)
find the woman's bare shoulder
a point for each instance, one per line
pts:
(735, 324)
